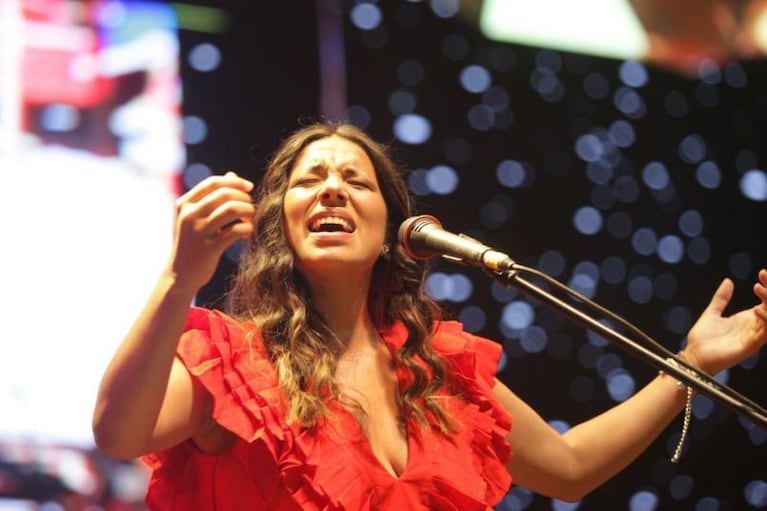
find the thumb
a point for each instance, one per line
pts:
(721, 298)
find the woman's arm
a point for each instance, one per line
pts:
(571, 465)
(147, 400)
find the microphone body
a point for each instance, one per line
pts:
(423, 237)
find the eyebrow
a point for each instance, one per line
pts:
(349, 169)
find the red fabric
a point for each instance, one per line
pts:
(274, 465)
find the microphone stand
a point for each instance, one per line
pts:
(703, 382)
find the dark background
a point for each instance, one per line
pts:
(269, 82)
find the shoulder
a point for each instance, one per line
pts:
(209, 333)
(471, 355)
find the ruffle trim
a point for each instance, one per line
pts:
(475, 361)
(228, 358)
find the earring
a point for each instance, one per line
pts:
(385, 250)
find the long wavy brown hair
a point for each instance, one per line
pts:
(268, 291)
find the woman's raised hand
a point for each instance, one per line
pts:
(210, 217)
(717, 342)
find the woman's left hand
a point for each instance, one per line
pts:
(716, 342)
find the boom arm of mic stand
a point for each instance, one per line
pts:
(703, 382)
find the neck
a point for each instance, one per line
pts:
(344, 305)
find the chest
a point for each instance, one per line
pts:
(370, 395)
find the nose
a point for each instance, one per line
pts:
(332, 190)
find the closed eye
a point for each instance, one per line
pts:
(361, 184)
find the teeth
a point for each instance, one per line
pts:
(333, 220)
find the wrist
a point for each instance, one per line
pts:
(693, 359)
(171, 285)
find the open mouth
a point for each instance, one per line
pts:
(331, 224)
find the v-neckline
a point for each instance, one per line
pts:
(380, 464)
(391, 346)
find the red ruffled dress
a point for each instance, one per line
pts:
(278, 466)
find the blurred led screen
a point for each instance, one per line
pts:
(607, 28)
(90, 152)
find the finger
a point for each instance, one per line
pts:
(760, 291)
(209, 203)
(231, 233)
(231, 213)
(208, 185)
(721, 298)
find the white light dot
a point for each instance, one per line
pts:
(655, 176)
(195, 130)
(588, 220)
(445, 8)
(708, 175)
(205, 57)
(366, 16)
(620, 384)
(670, 249)
(412, 129)
(644, 241)
(633, 73)
(59, 118)
(756, 493)
(442, 180)
(517, 315)
(589, 148)
(753, 185)
(643, 501)
(510, 173)
(475, 79)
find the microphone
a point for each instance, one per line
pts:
(423, 237)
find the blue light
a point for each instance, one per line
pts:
(366, 16)
(644, 241)
(534, 339)
(475, 79)
(643, 501)
(755, 493)
(622, 133)
(511, 173)
(681, 487)
(691, 223)
(633, 74)
(481, 117)
(412, 129)
(655, 175)
(445, 8)
(195, 130)
(620, 384)
(629, 103)
(640, 289)
(517, 315)
(205, 57)
(753, 185)
(402, 102)
(442, 180)
(692, 149)
(588, 220)
(589, 148)
(670, 249)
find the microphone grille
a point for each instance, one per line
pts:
(410, 235)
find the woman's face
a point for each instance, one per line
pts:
(334, 211)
